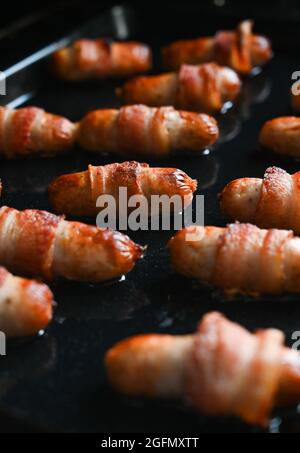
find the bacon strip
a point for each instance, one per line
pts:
(240, 49)
(37, 243)
(205, 87)
(98, 59)
(234, 48)
(223, 379)
(220, 370)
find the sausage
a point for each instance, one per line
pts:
(99, 59)
(282, 135)
(271, 202)
(240, 49)
(146, 131)
(40, 244)
(76, 194)
(31, 131)
(241, 257)
(208, 370)
(205, 87)
(25, 305)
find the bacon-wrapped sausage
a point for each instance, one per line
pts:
(271, 202)
(98, 59)
(240, 49)
(241, 257)
(209, 371)
(206, 88)
(25, 305)
(32, 131)
(38, 243)
(282, 135)
(146, 131)
(76, 194)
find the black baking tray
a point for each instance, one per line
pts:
(56, 381)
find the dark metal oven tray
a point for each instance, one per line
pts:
(56, 382)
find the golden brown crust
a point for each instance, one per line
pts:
(204, 87)
(37, 243)
(239, 49)
(76, 194)
(93, 59)
(282, 135)
(31, 131)
(71, 195)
